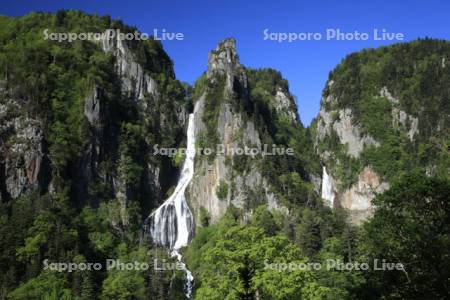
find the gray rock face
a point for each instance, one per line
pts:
(122, 195)
(92, 108)
(350, 134)
(137, 84)
(202, 189)
(22, 154)
(400, 118)
(224, 61)
(341, 122)
(87, 169)
(285, 106)
(233, 132)
(357, 199)
(208, 175)
(134, 80)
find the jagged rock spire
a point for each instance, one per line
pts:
(224, 61)
(224, 58)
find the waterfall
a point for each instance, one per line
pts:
(171, 225)
(327, 188)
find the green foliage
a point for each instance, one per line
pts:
(411, 227)
(287, 174)
(266, 82)
(126, 284)
(231, 261)
(294, 188)
(178, 159)
(48, 285)
(15, 219)
(215, 93)
(308, 233)
(131, 159)
(97, 221)
(201, 141)
(263, 218)
(52, 233)
(200, 87)
(375, 117)
(222, 190)
(205, 217)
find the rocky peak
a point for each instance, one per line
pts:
(224, 58)
(233, 130)
(224, 61)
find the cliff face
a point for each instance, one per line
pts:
(340, 122)
(227, 97)
(22, 166)
(136, 104)
(358, 196)
(380, 110)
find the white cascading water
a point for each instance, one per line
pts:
(327, 188)
(171, 225)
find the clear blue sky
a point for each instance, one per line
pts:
(305, 64)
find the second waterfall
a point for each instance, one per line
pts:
(172, 225)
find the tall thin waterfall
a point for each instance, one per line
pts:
(171, 225)
(327, 188)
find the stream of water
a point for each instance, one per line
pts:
(172, 225)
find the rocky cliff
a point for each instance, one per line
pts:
(382, 114)
(23, 158)
(224, 122)
(128, 102)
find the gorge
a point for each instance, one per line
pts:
(79, 179)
